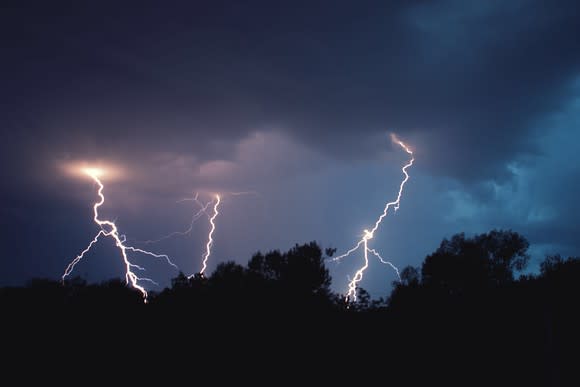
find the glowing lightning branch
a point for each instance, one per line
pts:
(71, 265)
(194, 218)
(109, 229)
(369, 234)
(385, 262)
(210, 235)
(360, 272)
(202, 211)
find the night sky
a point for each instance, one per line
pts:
(294, 103)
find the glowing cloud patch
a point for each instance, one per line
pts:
(84, 169)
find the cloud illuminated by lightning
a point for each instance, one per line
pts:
(369, 234)
(109, 229)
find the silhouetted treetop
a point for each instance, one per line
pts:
(462, 304)
(410, 276)
(562, 274)
(462, 263)
(301, 268)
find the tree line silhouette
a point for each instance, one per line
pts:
(468, 299)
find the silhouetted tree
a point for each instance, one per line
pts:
(228, 274)
(363, 300)
(229, 286)
(561, 277)
(555, 263)
(406, 292)
(297, 277)
(180, 282)
(301, 269)
(464, 300)
(410, 276)
(463, 264)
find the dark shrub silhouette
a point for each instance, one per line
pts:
(464, 316)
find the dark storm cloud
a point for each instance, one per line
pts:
(463, 80)
(292, 101)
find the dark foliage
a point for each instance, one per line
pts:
(465, 317)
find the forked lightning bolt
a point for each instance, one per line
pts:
(369, 234)
(385, 262)
(202, 211)
(109, 229)
(210, 235)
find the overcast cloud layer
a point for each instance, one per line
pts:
(295, 102)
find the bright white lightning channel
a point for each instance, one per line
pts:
(203, 210)
(109, 229)
(369, 234)
(210, 235)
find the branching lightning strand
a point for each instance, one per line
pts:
(202, 211)
(130, 277)
(369, 234)
(210, 235)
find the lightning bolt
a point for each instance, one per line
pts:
(385, 262)
(202, 211)
(109, 229)
(210, 235)
(369, 234)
